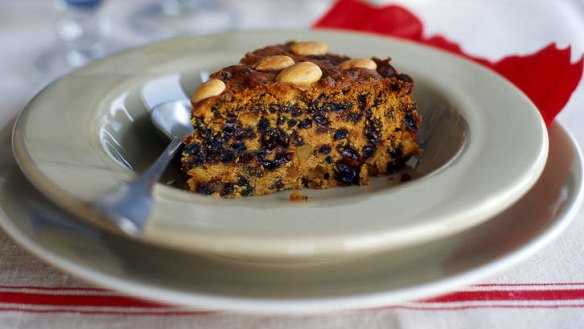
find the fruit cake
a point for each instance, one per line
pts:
(293, 115)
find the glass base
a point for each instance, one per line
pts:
(57, 61)
(170, 18)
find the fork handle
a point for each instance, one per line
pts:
(129, 205)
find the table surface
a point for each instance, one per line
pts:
(27, 28)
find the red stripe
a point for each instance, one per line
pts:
(487, 306)
(194, 313)
(25, 298)
(88, 312)
(546, 284)
(474, 285)
(55, 288)
(74, 300)
(516, 295)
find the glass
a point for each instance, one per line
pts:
(80, 39)
(169, 18)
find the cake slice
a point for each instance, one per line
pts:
(293, 115)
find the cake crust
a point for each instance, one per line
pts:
(333, 125)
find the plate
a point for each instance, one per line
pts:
(484, 146)
(176, 277)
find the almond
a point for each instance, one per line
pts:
(274, 63)
(364, 63)
(212, 87)
(309, 48)
(303, 73)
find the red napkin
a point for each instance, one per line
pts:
(547, 77)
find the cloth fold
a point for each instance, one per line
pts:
(547, 76)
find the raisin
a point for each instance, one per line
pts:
(348, 153)
(245, 133)
(337, 107)
(214, 149)
(346, 174)
(326, 176)
(249, 189)
(205, 188)
(227, 189)
(394, 166)
(273, 108)
(246, 157)
(410, 121)
(320, 58)
(379, 100)
(201, 129)
(325, 149)
(373, 131)
(362, 100)
(389, 113)
(298, 140)
(254, 171)
(340, 134)
(368, 113)
(216, 144)
(368, 151)
(278, 184)
(354, 117)
(193, 149)
(197, 154)
(279, 159)
(263, 124)
(292, 123)
(385, 69)
(280, 121)
(295, 110)
(225, 75)
(239, 147)
(256, 110)
(328, 159)
(305, 124)
(227, 157)
(242, 181)
(231, 118)
(274, 138)
(396, 153)
(405, 78)
(229, 128)
(321, 120)
(216, 112)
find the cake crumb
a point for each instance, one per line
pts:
(297, 197)
(405, 177)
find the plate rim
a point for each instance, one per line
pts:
(291, 306)
(83, 210)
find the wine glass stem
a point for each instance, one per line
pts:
(80, 31)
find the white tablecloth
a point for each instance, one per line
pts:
(490, 29)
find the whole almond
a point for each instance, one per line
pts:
(274, 63)
(303, 73)
(304, 151)
(309, 48)
(212, 87)
(365, 63)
